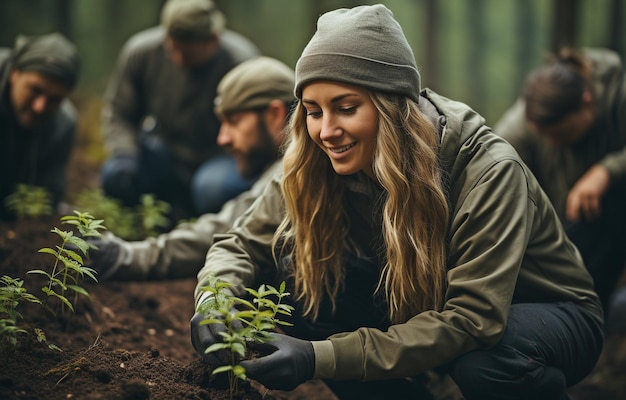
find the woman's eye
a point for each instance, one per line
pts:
(313, 113)
(348, 110)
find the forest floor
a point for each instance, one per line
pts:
(130, 340)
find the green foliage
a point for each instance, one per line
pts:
(29, 202)
(245, 321)
(152, 215)
(120, 220)
(12, 293)
(69, 270)
(148, 219)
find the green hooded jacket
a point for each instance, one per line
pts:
(505, 245)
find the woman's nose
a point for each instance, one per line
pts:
(330, 129)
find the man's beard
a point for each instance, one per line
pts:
(261, 156)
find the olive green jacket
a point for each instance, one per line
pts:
(558, 168)
(505, 245)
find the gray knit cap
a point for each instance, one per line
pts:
(362, 46)
(192, 19)
(51, 55)
(253, 84)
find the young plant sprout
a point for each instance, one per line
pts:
(29, 202)
(120, 220)
(245, 322)
(148, 219)
(12, 293)
(68, 269)
(153, 215)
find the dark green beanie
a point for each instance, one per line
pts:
(51, 55)
(253, 84)
(362, 46)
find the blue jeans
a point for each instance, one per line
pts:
(156, 171)
(546, 348)
(216, 182)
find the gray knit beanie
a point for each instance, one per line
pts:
(52, 55)
(362, 46)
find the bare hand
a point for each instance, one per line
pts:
(584, 200)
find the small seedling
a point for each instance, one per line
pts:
(153, 215)
(148, 219)
(41, 338)
(12, 293)
(29, 201)
(245, 322)
(69, 270)
(120, 219)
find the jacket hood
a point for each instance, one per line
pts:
(460, 129)
(607, 75)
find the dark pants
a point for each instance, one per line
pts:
(546, 348)
(157, 171)
(397, 389)
(602, 244)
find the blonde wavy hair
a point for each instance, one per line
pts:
(414, 217)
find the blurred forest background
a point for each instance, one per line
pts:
(476, 51)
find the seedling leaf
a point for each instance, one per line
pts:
(49, 251)
(78, 289)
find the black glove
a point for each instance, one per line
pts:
(203, 336)
(291, 363)
(111, 253)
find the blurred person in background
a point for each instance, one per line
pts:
(158, 121)
(253, 102)
(37, 120)
(569, 127)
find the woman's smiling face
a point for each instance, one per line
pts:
(343, 121)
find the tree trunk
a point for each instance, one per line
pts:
(431, 44)
(565, 22)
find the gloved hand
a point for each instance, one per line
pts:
(291, 363)
(111, 253)
(203, 336)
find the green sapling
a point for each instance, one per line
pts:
(68, 269)
(29, 201)
(153, 215)
(245, 321)
(12, 293)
